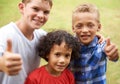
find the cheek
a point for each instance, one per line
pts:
(78, 32)
(52, 59)
(94, 32)
(28, 14)
(68, 60)
(46, 18)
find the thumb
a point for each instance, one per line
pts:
(108, 42)
(9, 45)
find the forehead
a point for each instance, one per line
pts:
(39, 3)
(62, 47)
(82, 17)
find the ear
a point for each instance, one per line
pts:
(99, 27)
(73, 29)
(21, 7)
(47, 56)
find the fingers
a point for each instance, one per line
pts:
(114, 57)
(111, 50)
(11, 62)
(14, 70)
(9, 45)
(12, 57)
(101, 38)
(108, 43)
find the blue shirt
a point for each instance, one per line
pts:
(90, 68)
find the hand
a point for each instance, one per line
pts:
(101, 38)
(11, 63)
(111, 50)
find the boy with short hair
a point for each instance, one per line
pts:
(18, 56)
(90, 68)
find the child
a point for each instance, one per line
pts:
(90, 68)
(18, 40)
(58, 48)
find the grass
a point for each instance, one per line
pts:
(60, 18)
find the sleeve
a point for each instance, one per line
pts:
(32, 78)
(97, 55)
(72, 79)
(3, 39)
(2, 44)
(29, 81)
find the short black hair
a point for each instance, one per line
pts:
(57, 37)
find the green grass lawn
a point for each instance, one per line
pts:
(60, 18)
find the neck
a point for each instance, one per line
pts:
(26, 30)
(52, 72)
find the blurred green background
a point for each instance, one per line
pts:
(60, 18)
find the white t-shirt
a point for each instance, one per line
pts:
(23, 46)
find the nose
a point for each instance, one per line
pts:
(84, 29)
(40, 14)
(62, 60)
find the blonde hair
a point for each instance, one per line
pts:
(86, 7)
(27, 1)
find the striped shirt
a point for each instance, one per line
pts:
(90, 68)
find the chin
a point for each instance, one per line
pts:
(85, 42)
(36, 27)
(60, 70)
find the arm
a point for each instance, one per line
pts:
(10, 63)
(111, 51)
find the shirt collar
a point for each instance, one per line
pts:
(92, 44)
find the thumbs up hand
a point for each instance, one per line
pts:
(10, 62)
(111, 50)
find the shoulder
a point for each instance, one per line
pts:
(39, 33)
(9, 30)
(37, 71)
(68, 76)
(68, 73)
(36, 74)
(10, 25)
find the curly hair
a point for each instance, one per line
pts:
(57, 37)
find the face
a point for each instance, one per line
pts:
(35, 13)
(59, 58)
(85, 26)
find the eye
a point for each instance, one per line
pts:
(35, 9)
(79, 26)
(46, 12)
(67, 55)
(90, 25)
(57, 54)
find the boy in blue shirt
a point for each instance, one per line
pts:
(90, 68)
